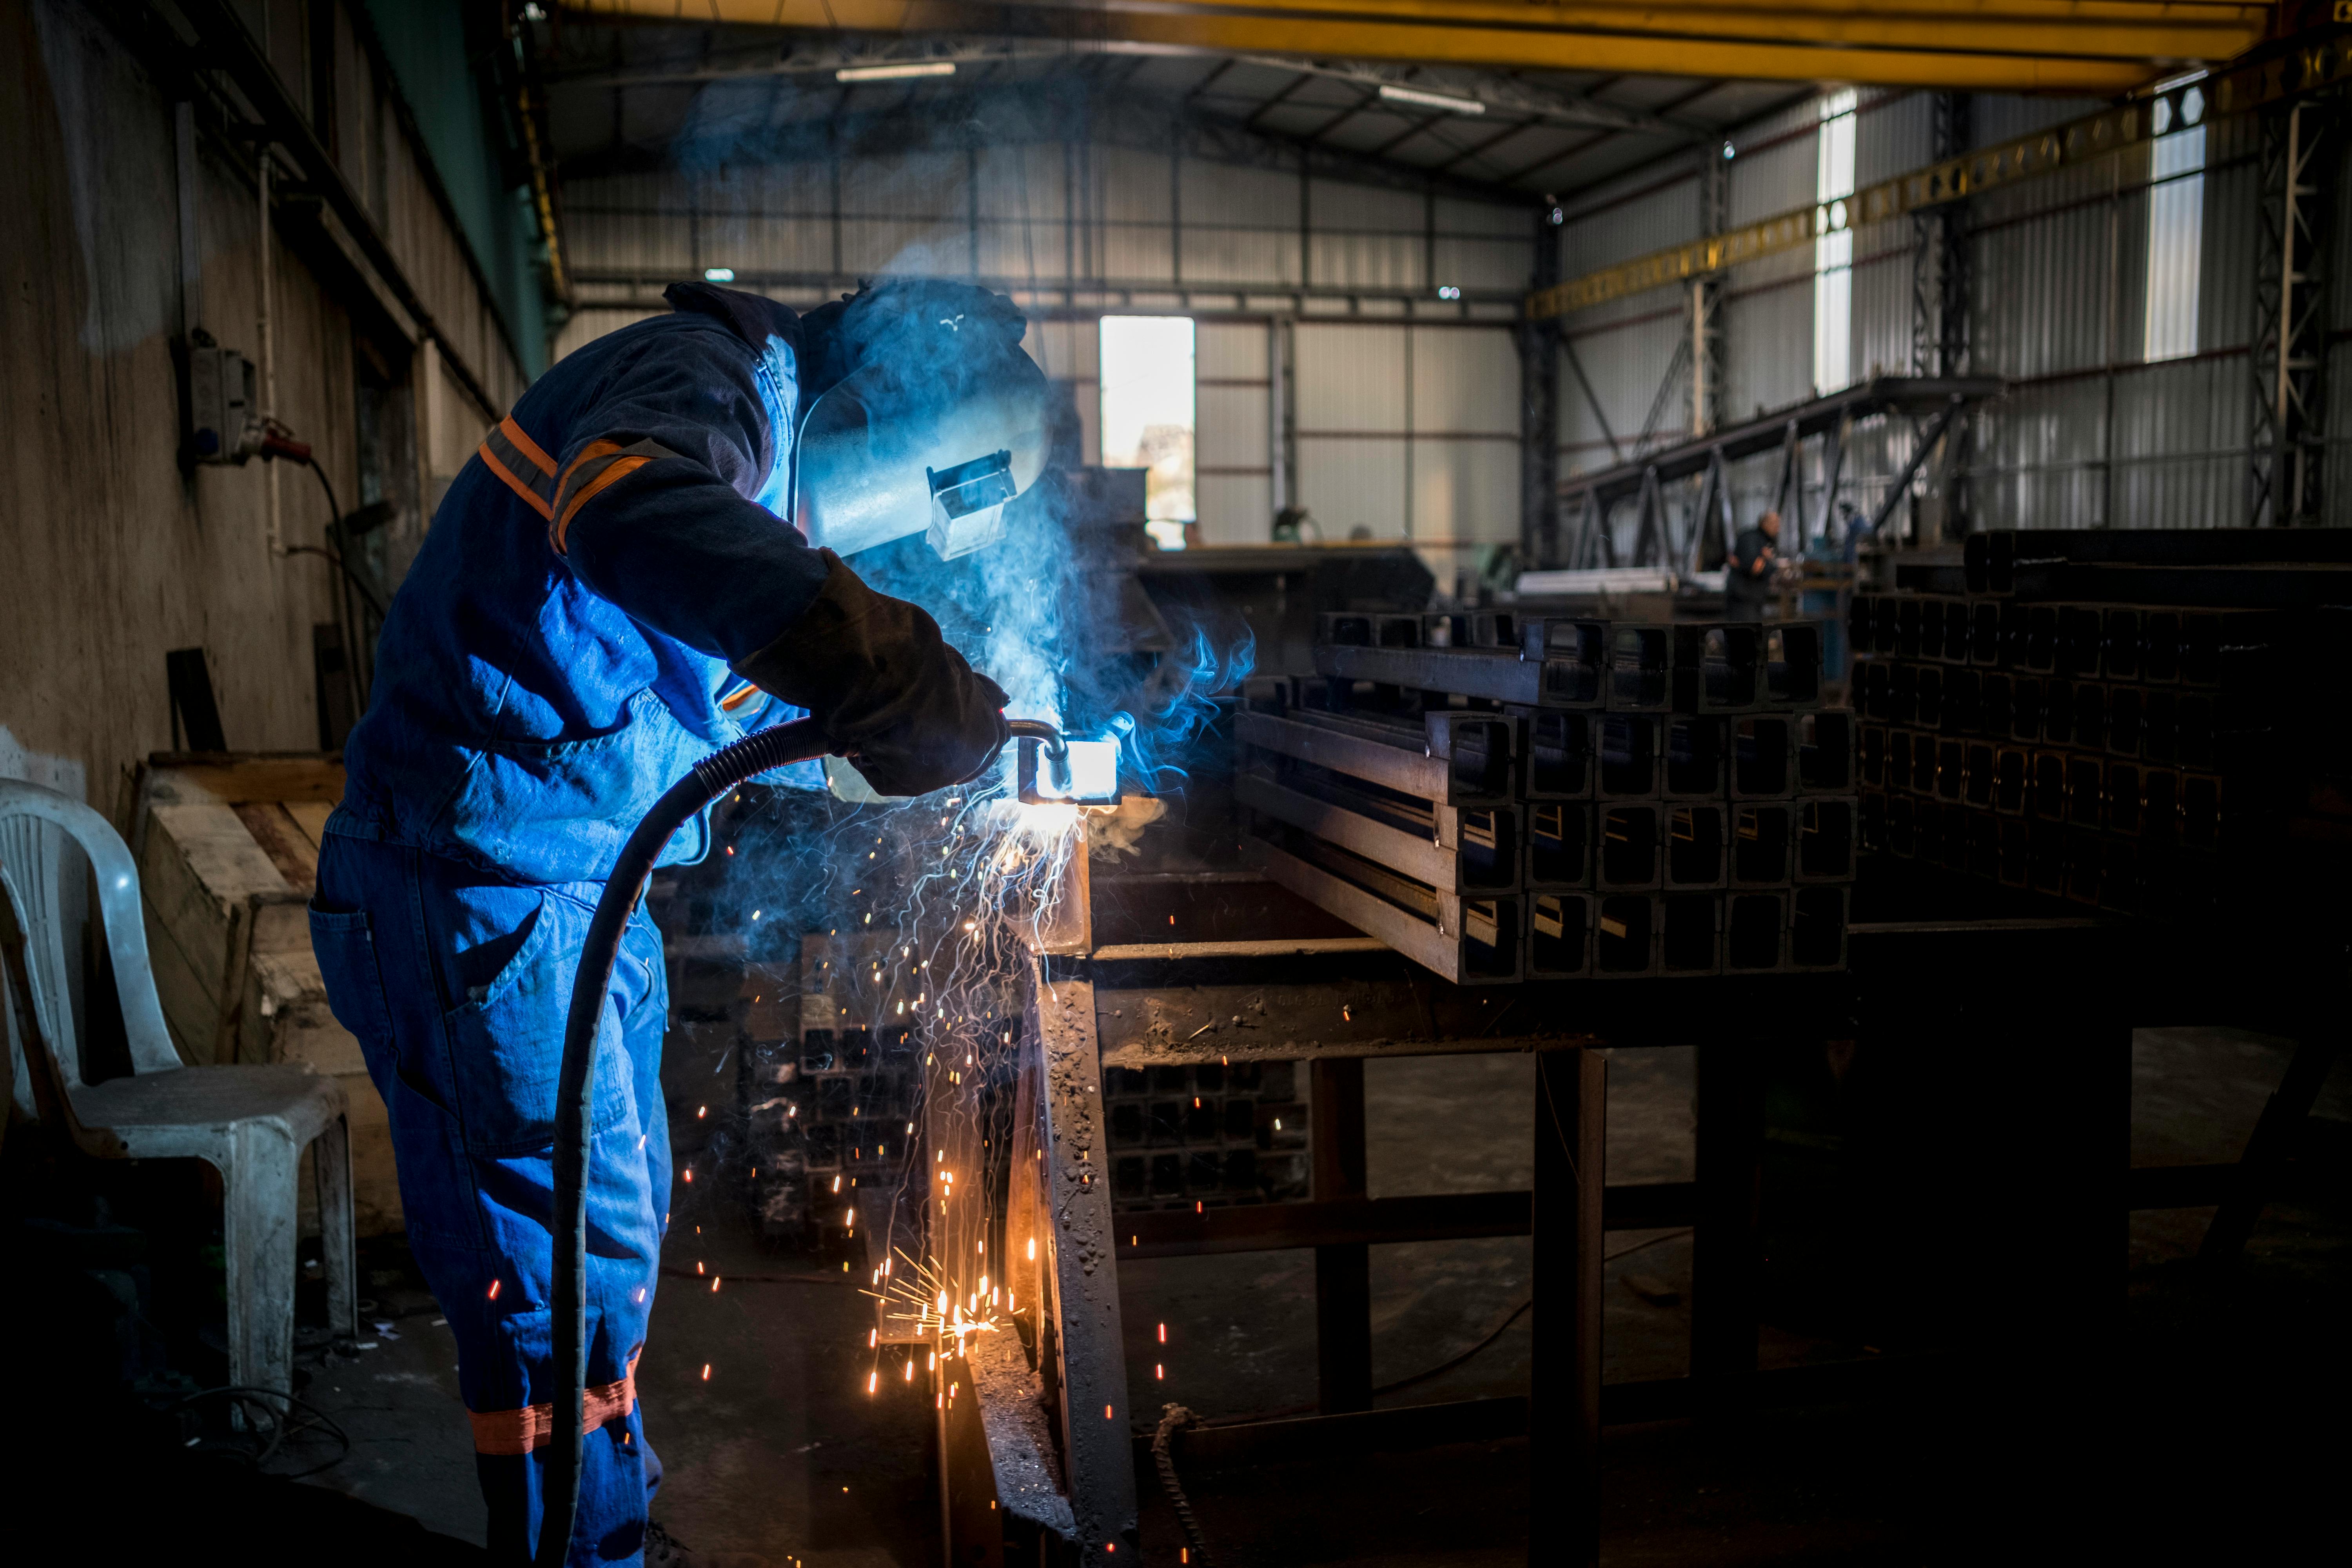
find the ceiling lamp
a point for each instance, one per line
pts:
(895, 73)
(1445, 102)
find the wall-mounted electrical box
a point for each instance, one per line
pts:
(223, 424)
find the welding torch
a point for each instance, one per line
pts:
(1078, 773)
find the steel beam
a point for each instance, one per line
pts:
(2300, 146)
(2020, 45)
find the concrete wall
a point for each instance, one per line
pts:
(110, 555)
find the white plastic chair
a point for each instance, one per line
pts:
(250, 1122)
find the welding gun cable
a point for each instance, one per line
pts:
(1175, 1418)
(801, 741)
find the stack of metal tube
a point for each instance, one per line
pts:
(1506, 799)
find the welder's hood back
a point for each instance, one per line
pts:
(927, 415)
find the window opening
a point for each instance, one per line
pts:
(1834, 253)
(1148, 414)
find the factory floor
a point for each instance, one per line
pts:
(774, 1454)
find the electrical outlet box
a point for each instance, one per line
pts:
(224, 425)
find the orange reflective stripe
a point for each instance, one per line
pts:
(598, 464)
(529, 448)
(740, 696)
(522, 464)
(533, 1427)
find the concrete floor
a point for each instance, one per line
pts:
(780, 1454)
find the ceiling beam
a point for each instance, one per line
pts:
(1009, 116)
(2102, 49)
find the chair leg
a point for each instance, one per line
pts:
(331, 1157)
(260, 1198)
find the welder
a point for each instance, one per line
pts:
(615, 586)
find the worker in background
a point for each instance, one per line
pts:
(609, 593)
(1748, 575)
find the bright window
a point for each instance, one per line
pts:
(1834, 253)
(2176, 242)
(1148, 414)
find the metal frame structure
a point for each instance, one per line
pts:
(1593, 498)
(2301, 145)
(1043, 1433)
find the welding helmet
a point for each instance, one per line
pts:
(936, 419)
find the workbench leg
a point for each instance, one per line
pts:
(2271, 1142)
(1343, 1273)
(1564, 1370)
(1727, 1245)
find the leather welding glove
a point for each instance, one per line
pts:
(875, 673)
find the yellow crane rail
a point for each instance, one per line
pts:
(2099, 135)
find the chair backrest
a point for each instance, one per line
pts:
(32, 872)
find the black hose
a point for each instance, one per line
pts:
(797, 741)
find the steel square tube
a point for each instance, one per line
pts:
(1480, 752)
(1624, 935)
(2058, 711)
(1985, 633)
(2122, 798)
(1560, 936)
(1977, 774)
(1690, 933)
(1463, 672)
(1951, 768)
(1996, 699)
(2120, 632)
(1626, 846)
(1435, 864)
(1952, 836)
(2025, 708)
(1861, 622)
(2159, 647)
(1471, 941)
(1925, 761)
(1697, 757)
(1927, 681)
(1628, 744)
(1963, 701)
(2012, 773)
(2080, 632)
(2091, 715)
(1870, 755)
(1754, 932)
(1763, 757)
(1640, 668)
(1826, 836)
(2124, 720)
(2015, 627)
(2201, 820)
(1903, 693)
(2086, 789)
(1991, 558)
(1761, 837)
(1793, 658)
(1559, 763)
(1873, 690)
(1411, 772)
(1826, 747)
(1909, 613)
(2159, 725)
(2046, 786)
(1696, 836)
(2159, 814)
(1559, 844)
(1717, 667)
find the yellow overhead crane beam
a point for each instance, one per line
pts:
(2323, 63)
(2102, 48)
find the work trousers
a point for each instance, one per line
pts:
(456, 984)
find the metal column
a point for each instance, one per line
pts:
(1538, 343)
(1343, 1279)
(2299, 147)
(1564, 1374)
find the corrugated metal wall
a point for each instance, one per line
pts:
(2091, 434)
(1406, 407)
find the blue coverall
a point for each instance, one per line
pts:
(556, 658)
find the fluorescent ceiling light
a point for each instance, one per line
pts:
(1395, 94)
(895, 73)
(718, 275)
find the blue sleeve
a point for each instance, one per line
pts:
(654, 507)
